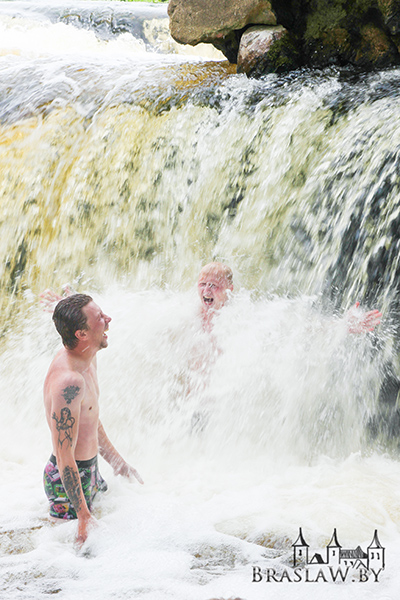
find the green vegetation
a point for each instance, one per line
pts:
(326, 15)
(284, 54)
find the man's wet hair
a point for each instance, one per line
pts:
(68, 318)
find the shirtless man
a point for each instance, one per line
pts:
(71, 393)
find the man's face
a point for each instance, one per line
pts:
(97, 325)
(213, 287)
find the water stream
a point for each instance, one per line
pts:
(127, 162)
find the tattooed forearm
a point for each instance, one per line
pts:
(64, 426)
(72, 486)
(70, 392)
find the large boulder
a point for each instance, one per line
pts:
(266, 49)
(219, 22)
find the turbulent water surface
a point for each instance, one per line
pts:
(126, 163)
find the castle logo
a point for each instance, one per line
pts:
(337, 565)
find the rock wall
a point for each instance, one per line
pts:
(264, 36)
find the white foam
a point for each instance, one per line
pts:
(210, 498)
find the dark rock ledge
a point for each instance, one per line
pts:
(276, 36)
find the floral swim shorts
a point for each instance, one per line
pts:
(91, 481)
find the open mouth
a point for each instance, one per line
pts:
(208, 300)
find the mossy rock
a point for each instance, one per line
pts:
(334, 47)
(375, 49)
(284, 55)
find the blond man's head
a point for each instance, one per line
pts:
(215, 279)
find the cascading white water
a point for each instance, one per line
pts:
(124, 168)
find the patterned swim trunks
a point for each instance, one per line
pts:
(91, 481)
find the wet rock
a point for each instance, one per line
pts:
(262, 50)
(220, 23)
(375, 48)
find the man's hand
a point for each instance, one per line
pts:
(362, 322)
(122, 468)
(85, 525)
(49, 298)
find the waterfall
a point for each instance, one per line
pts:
(130, 161)
(126, 164)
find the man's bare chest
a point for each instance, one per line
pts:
(91, 395)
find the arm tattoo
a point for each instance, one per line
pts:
(64, 426)
(70, 392)
(72, 486)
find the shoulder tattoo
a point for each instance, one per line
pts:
(70, 392)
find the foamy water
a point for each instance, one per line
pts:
(273, 455)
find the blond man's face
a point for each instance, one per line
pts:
(213, 287)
